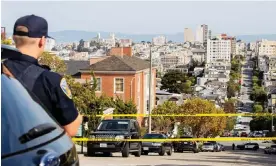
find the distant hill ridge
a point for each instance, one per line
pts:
(76, 35)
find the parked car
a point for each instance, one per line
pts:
(117, 130)
(156, 147)
(270, 150)
(208, 147)
(258, 134)
(244, 134)
(30, 136)
(217, 145)
(248, 146)
(181, 146)
(221, 147)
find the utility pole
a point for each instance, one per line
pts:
(272, 125)
(150, 86)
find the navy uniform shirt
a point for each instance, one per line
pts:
(50, 88)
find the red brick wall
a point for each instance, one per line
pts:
(108, 88)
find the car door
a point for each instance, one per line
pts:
(134, 132)
(167, 144)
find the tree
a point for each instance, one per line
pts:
(258, 94)
(164, 123)
(260, 123)
(202, 126)
(255, 79)
(6, 41)
(229, 107)
(230, 123)
(176, 82)
(122, 107)
(257, 108)
(54, 62)
(232, 89)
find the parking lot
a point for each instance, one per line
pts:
(224, 158)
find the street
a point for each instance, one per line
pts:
(246, 88)
(225, 158)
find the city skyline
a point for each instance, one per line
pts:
(141, 17)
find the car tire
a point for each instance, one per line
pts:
(90, 153)
(107, 154)
(125, 151)
(138, 153)
(146, 153)
(169, 153)
(162, 151)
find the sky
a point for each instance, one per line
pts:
(235, 18)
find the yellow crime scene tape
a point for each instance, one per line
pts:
(181, 115)
(176, 139)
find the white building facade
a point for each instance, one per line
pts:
(218, 50)
(50, 43)
(159, 40)
(266, 47)
(199, 34)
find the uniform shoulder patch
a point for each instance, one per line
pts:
(65, 88)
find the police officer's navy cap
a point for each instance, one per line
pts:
(37, 26)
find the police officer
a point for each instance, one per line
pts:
(29, 34)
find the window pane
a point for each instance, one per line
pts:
(99, 83)
(119, 85)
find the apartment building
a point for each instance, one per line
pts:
(266, 47)
(125, 42)
(269, 76)
(176, 58)
(86, 44)
(125, 77)
(199, 34)
(188, 35)
(233, 42)
(205, 33)
(241, 48)
(218, 50)
(252, 46)
(199, 55)
(224, 67)
(50, 43)
(159, 40)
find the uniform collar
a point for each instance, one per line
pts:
(28, 58)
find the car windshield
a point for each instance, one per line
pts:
(207, 144)
(153, 136)
(273, 146)
(113, 125)
(20, 113)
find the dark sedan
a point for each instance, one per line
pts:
(160, 147)
(248, 146)
(181, 146)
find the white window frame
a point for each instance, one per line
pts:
(114, 83)
(97, 83)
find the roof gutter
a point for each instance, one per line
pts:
(109, 72)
